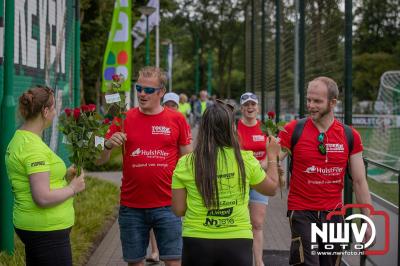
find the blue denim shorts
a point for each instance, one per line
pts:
(135, 225)
(256, 197)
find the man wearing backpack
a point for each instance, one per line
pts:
(321, 149)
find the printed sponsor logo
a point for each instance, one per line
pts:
(227, 175)
(150, 153)
(221, 212)
(38, 163)
(160, 130)
(334, 147)
(258, 154)
(257, 138)
(218, 223)
(325, 171)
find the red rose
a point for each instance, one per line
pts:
(84, 108)
(91, 107)
(106, 121)
(271, 115)
(77, 113)
(67, 111)
(115, 77)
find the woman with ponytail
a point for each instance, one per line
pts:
(43, 200)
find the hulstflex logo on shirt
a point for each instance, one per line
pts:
(150, 153)
(324, 170)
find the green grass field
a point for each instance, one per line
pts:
(382, 146)
(95, 210)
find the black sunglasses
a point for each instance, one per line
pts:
(148, 90)
(321, 145)
(230, 106)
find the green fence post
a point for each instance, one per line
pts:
(209, 71)
(253, 45)
(277, 60)
(301, 58)
(8, 127)
(348, 193)
(197, 65)
(77, 65)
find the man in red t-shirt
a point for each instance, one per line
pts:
(154, 138)
(320, 159)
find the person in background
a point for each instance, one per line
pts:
(171, 100)
(154, 138)
(210, 188)
(251, 138)
(184, 106)
(43, 200)
(200, 105)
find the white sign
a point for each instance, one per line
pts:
(99, 141)
(113, 98)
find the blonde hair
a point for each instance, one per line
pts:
(183, 98)
(154, 72)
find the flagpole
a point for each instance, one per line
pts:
(157, 47)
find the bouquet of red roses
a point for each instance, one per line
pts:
(83, 129)
(271, 128)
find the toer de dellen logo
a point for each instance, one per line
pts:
(340, 233)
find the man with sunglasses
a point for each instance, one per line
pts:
(320, 158)
(153, 138)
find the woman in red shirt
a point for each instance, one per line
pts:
(253, 139)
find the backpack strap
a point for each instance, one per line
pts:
(349, 137)
(350, 143)
(298, 130)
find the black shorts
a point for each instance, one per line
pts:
(46, 248)
(221, 252)
(301, 252)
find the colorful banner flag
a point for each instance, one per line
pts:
(139, 30)
(118, 55)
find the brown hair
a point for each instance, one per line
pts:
(154, 72)
(33, 101)
(333, 91)
(216, 132)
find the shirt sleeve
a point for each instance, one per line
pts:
(254, 171)
(36, 161)
(179, 172)
(286, 136)
(357, 144)
(185, 134)
(113, 128)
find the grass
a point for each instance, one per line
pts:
(389, 192)
(95, 211)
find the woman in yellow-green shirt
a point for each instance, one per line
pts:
(184, 106)
(210, 188)
(43, 200)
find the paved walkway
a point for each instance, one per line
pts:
(276, 233)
